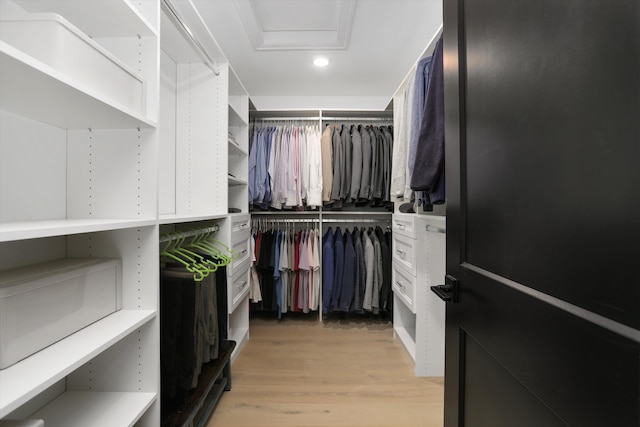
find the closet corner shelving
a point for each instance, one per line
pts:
(63, 131)
(238, 144)
(236, 230)
(419, 315)
(235, 233)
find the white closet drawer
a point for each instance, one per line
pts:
(404, 286)
(404, 225)
(238, 287)
(404, 253)
(242, 247)
(240, 224)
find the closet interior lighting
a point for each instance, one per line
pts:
(320, 61)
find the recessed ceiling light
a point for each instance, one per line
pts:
(321, 62)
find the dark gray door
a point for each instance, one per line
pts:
(542, 102)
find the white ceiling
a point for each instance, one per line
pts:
(371, 46)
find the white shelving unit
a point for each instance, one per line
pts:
(192, 132)
(78, 175)
(203, 170)
(83, 173)
(238, 145)
(235, 233)
(419, 315)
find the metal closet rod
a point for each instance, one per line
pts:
(324, 119)
(286, 119)
(357, 220)
(173, 15)
(286, 220)
(356, 119)
(283, 213)
(188, 233)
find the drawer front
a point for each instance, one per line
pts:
(237, 288)
(404, 225)
(404, 286)
(240, 223)
(404, 253)
(242, 247)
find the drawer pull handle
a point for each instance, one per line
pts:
(399, 284)
(244, 252)
(400, 252)
(243, 284)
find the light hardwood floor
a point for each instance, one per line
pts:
(299, 372)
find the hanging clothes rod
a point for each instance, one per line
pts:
(357, 213)
(188, 233)
(287, 221)
(175, 18)
(357, 119)
(285, 119)
(283, 213)
(325, 119)
(357, 220)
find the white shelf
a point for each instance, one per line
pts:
(12, 231)
(235, 119)
(24, 380)
(408, 341)
(93, 408)
(236, 181)
(174, 218)
(96, 18)
(33, 89)
(240, 336)
(236, 150)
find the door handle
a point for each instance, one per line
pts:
(449, 291)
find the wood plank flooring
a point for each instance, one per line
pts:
(300, 372)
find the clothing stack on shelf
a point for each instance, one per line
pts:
(356, 270)
(418, 157)
(285, 274)
(356, 165)
(285, 167)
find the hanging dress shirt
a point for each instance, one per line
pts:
(345, 164)
(369, 255)
(365, 181)
(315, 299)
(349, 274)
(338, 275)
(429, 160)
(338, 154)
(315, 166)
(358, 296)
(327, 164)
(356, 163)
(328, 270)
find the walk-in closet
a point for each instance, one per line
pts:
(158, 206)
